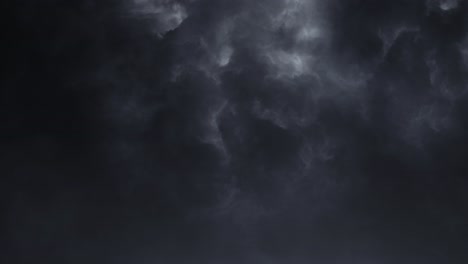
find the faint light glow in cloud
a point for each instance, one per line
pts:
(288, 64)
(224, 56)
(443, 5)
(167, 15)
(447, 5)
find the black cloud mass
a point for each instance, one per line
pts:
(234, 131)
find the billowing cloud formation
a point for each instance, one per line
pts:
(294, 46)
(283, 87)
(265, 72)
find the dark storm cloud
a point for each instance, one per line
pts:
(284, 62)
(207, 131)
(253, 69)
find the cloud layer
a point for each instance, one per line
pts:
(219, 131)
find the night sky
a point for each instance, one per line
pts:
(234, 132)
